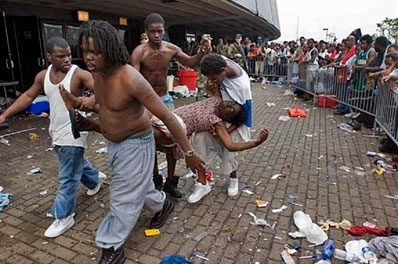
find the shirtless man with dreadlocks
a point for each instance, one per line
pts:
(122, 95)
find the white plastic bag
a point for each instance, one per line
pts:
(308, 229)
(182, 89)
(355, 247)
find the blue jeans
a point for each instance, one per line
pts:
(346, 97)
(73, 168)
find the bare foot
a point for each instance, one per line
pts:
(70, 100)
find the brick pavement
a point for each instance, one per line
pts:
(310, 163)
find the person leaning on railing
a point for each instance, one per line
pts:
(390, 74)
(388, 62)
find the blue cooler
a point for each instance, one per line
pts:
(39, 105)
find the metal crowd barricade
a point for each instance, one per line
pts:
(354, 89)
(386, 109)
(299, 79)
(261, 67)
(351, 88)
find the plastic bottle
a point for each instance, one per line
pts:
(328, 249)
(343, 255)
(368, 255)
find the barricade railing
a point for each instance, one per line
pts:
(351, 88)
(303, 77)
(263, 67)
(354, 90)
(386, 109)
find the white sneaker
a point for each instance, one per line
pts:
(233, 187)
(199, 191)
(101, 179)
(352, 115)
(59, 226)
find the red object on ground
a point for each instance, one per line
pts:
(362, 230)
(329, 100)
(188, 78)
(296, 112)
(209, 176)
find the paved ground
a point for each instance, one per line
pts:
(310, 163)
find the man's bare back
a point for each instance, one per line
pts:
(153, 63)
(121, 115)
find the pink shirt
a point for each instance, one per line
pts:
(199, 116)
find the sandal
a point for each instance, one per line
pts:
(74, 123)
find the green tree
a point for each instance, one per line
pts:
(388, 28)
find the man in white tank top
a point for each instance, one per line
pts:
(73, 166)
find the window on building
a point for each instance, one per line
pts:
(51, 30)
(72, 38)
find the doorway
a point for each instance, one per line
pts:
(30, 48)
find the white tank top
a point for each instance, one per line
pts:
(60, 127)
(239, 87)
(308, 57)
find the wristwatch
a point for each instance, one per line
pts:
(189, 153)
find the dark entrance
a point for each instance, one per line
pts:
(30, 49)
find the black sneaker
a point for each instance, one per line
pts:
(170, 186)
(159, 219)
(158, 181)
(111, 256)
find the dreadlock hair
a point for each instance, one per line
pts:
(153, 18)
(212, 64)
(107, 42)
(53, 42)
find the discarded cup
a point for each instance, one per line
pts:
(33, 171)
(371, 154)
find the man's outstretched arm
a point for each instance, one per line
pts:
(26, 98)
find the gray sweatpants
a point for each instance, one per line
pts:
(132, 188)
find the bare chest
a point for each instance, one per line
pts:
(156, 60)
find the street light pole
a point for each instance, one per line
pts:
(326, 29)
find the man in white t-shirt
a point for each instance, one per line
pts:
(73, 166)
